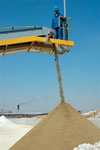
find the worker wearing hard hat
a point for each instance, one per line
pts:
(58, 32)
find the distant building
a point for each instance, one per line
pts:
(5, 111)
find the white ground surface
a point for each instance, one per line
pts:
(26, 121)
(10, 135)
(10, 132)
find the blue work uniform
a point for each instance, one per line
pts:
(55, 25)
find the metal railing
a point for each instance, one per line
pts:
(66, 21)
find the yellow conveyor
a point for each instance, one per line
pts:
(34, 44)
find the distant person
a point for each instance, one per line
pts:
(58, 32)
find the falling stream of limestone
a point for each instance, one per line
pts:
(59, 75)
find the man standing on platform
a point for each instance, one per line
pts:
(58, 32)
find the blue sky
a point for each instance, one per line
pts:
(32, 77)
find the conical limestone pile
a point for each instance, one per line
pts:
(63, 129)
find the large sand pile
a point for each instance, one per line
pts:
(63, 129)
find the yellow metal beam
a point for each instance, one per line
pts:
(38, 45)
(5, 50)
(30, 47)
(35, 39)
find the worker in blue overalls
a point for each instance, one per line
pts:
(58, 32)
